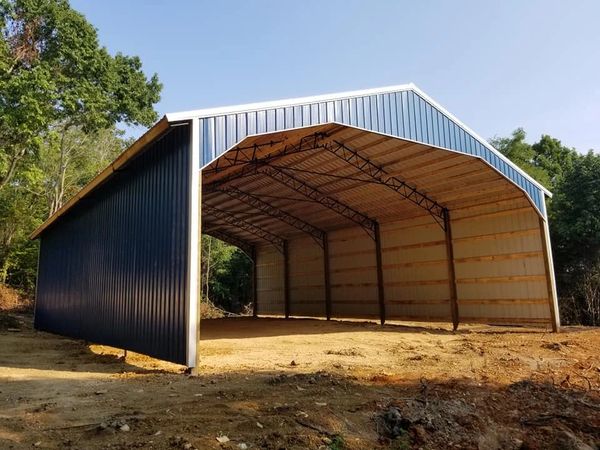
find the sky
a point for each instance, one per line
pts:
(496, 65)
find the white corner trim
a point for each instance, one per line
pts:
(193, 242)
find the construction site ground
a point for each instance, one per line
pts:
(306, 384)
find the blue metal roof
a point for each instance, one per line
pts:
(402, 111)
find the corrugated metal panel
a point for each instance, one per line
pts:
(415, 270)
(307, 281)
(353, 274)
(113, 269)
(269, 280)
(498, 259)
(500, 267)
(404, 114)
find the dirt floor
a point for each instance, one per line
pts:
(297, 384)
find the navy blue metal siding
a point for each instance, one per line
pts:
(113, 269)
(404, 114)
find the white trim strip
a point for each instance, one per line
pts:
(201, 113)
(194, 241)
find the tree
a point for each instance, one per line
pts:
(575, 227)
(574, 215)
(225, 275)
(553, 158)
(544, 160)
(69, 158)
(64, 163)
(53, 71)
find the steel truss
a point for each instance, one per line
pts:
(317, 196)
(244, 246)
(240, 156)
(244, 225)
(247, 158)
(381, 176)
(254, 201)
(297, 185)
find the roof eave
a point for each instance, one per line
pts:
(149, 136)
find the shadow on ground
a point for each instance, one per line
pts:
(58, 393)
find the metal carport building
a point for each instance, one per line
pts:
(368, 204)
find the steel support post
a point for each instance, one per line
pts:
(327, 277)
(380, 286)
(451, 270)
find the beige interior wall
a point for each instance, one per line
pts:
(499, 265)
(415, 270)
(307, 281)
(353, 274)
(269, 281)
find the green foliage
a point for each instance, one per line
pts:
(53, 70)
(545, 160)
(61, 95)
(65, 162)
(575, 228)
(337, 443)
(226, 275)
(20, 213)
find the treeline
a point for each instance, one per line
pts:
(62, 97)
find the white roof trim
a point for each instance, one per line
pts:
(209, 112)
(199, 113)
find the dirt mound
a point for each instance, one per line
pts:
(208, 310)
(12, 300)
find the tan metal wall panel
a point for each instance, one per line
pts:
(499, 264)
(307, 280)
(269, 280)
(415, 270)
(353, 273)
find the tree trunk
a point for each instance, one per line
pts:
(12, 166)
(208, 265)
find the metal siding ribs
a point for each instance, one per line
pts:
(112, 270)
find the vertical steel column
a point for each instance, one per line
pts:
(286, 278)
(551, 282)
(451, 270)
(326, 272)
(254, 285)
(380, 287)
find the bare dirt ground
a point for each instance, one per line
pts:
(297, 384)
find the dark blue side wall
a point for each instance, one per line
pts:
(113, 269)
